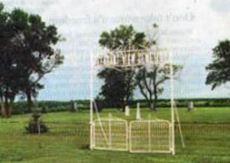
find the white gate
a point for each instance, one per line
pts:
(110, 134)
(150, 136)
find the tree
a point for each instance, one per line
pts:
(7, 64)
(150, 78)
(37, 55)
(119, 84)
(150, 82)
(219, 69)
(27, 53)
(118, 87)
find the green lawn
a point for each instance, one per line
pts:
(206, 132)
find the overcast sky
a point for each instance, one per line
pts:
(191, 28)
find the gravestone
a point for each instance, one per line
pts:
(127, 111)
(138, 113)
(73, 106)
(190, 106)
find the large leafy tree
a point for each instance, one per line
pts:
(27, 54)
(8, 89)
(37, 55)
(219, 69)
(119, 83)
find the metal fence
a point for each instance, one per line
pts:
(214, 138)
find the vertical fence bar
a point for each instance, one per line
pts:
(91, 101)
(110, 131)
(149, 132)
(172, 103)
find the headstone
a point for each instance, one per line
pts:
(190, 106)
(73, 106)
(127, 112)
(138, 113)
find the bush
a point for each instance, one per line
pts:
(36, 126)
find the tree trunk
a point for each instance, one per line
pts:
(29, 101)
(3, 113)
(155, 102)
(152, 105)
(7, 107)
(155, 97)
(152, 102)
(124, 105)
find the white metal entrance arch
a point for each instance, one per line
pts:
(111, 134)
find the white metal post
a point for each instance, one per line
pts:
(91, 100)
(172, 103)
(149, 133)
(110, 131)
(138, 112)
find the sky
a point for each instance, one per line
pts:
(189, 28)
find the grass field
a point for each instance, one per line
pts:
(206, 132)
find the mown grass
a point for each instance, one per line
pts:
(206, 132)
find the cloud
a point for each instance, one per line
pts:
(221, 6)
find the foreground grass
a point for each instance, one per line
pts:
(206, 132)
